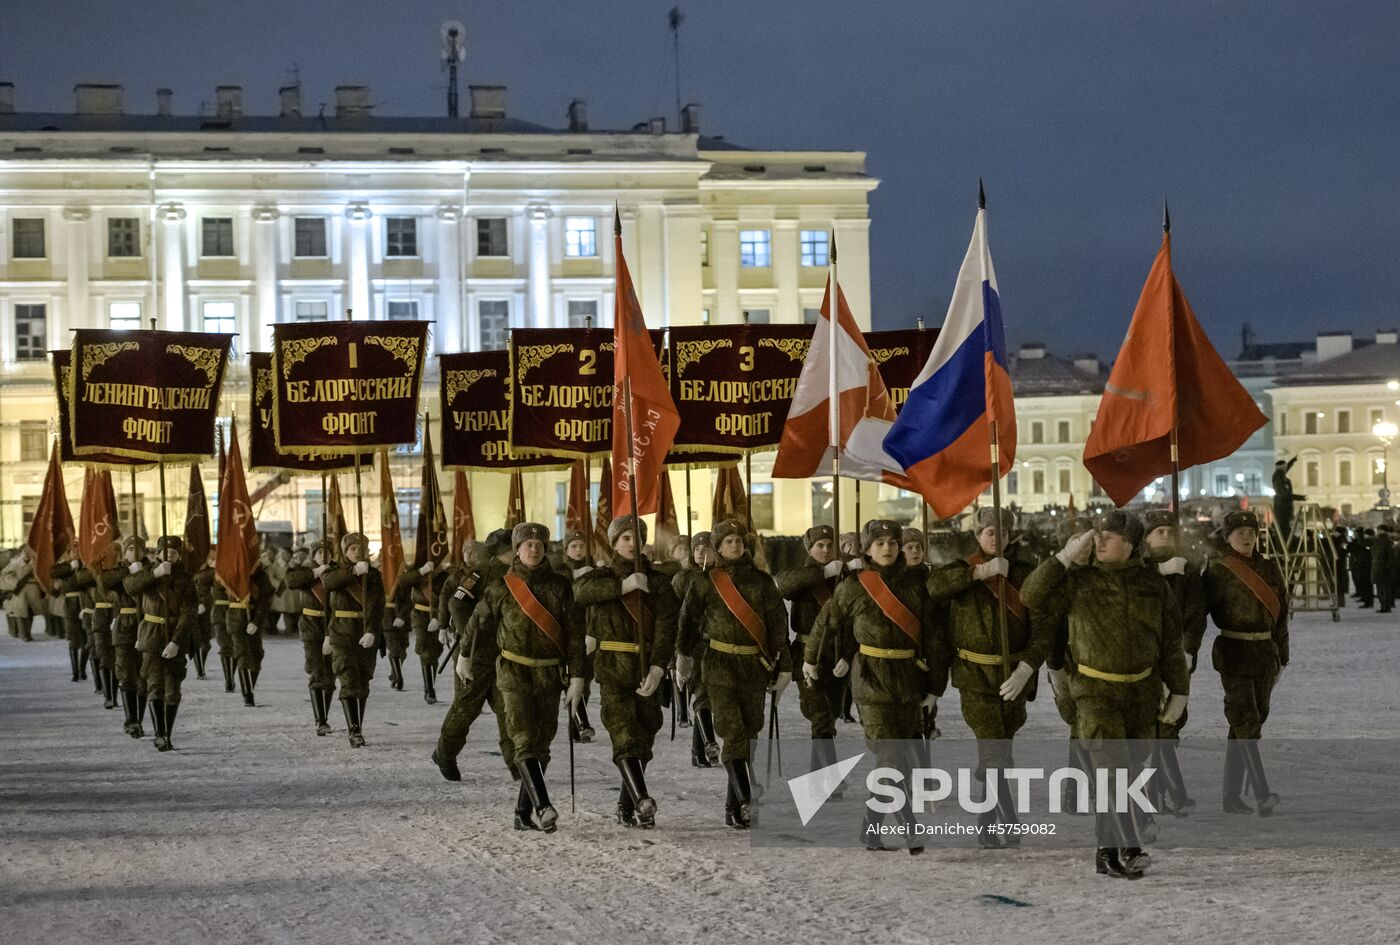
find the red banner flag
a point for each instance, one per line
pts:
(515, 501)
(1168, 377)
(604, 517)
(98, 526)
(336, 529)
(642, 406)
(237, 553)
(51, 533)
(577, 514)
(731, 498)
(667, 523)
(196, 521)
(431, 539)
(463, 522)
(390, 538)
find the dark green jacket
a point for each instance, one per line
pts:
(705, 616)
(1189, 591)
(259, 609)
(1234, 607)
(505, 627)
(968, 611)
(801, 585)
(599, 594)
(344, 590)
(464, 589)
(302, 577)
(171, 599)
(71, 584)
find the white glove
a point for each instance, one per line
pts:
(580, 572)
(200, 610)
(170, 651)
(162, 569)
(443, 636)
(779, 684)
(251, 629)
(589, 645)
(685, 666)
(840, 669)
(635, 582)
(810, 672)
(1175, 706)
(997, 567)
(367, 640)
(929, 701)
(832, 569)
(319, 570)
(574, 695)
(432, 624)
(855, 564)
(427, 568)
(135, 566)
(75, 564)
(361, 568)
(652, 682)
(1074, 549)
(464, 668)
(398, 622)
(1175, 565)
(326, 646)
(1016, 683)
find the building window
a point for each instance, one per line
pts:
(1062, 431)
(757, 316)
(221, 318)
(1344, 471)
(310, 238)
(1343, 421)
(1311, 473)
(494, 323)
(312, 311)
(1064, 480)
(31, 333)
(582, 313)
(1378, 477)
(402, 311)
(704, 247)
(816, 248)
(580, 237)
(1377, 415)
(704, 316)
(123, 237)
(28, 508)
(1253, 483)
(755, 251)
(1038, 481)
(810, 315)
(124, 316)
(1222, 484)
(1037, 433)
(1310, 423)
(33, 441)
(1013, 480)
(401, 236)
(761, 507)
(217, 236)
(491, 237)
(28, 238)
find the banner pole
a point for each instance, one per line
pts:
(636, 538)
(1001, 550)
(164, 527)
(364, 547)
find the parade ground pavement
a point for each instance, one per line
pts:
(256, 830)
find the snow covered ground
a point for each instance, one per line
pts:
(255, 830)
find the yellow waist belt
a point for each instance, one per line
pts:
(1236, 635)
(72, 593)
(152, 618)
(235, 605)
(529, 660)
(880, 653)
(220, 603)
(102, 605)
(618, 646)
(85, 610)
(423, 607)
(735, 649)
(126, 611)
(981, 659)
(349, 614)
(313, 613)
(1113, 677)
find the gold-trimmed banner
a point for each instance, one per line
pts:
(900, 356)
(62, 359)
(262, 440)
(475, 392)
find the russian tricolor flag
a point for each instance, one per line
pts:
(943, 436)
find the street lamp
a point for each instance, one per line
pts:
(1385, 431)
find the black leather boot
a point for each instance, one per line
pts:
(109, 688)
(171, 709)
(742, 787)
(523, 819)
(82, 662)
(635, 782)
(579, 728)
(542, 815)
(1258, 778)
(1107, 863)
(1233, 782)
(429, 693)
(446, 764)
(705, 721)
(357, 738)
(226, 662)
(137, 731)
(162, 743)
(683, 708)
(318, 710)
(132, 722)
(988, 837)
(626, 813)
(73, 662)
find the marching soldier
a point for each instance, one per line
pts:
(69, 578)
(1248, 601)
(809, 586)
(356, 609)
(1382, 569)
(168, 611)
(530, 613)
(397, 616)
(204, 624)
(704, 749)
(914, 544)
(469, 586)
(739, 613)
(575, 557)
(1057, 652)
(973, 589)
(1125, 647)
(305, 577)
(421, 588)
(631, 612)
(574, 565)
(884, 618)
(245, 622)
(125, 628)
(99, 599)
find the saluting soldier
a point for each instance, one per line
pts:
(356, 611)
(737, 611)
(809, 586)
(704, 748)
(68, 578)
(421, 588)
(883, 618)
(1124, 649)
(1248, 601)
(530, 613)
(168, 611)
(973, 590)
(125, 627)
(1056, 655)
(305, 577)
(469, 695)
(631, 612)
(245, 622)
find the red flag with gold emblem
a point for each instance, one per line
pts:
(390, 538)
(98, 530)
(578, 512)
(196, 520)
(51, 534)
(604, 517)
(667, 524)
(463, 522)
(238, 548)
(431, 540)
(515, 500)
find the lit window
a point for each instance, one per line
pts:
(816, 248)
(28, 238)
(754, 249)
(582, 313)
(402, 311)
(312, 311)
(810, 315)
(310, 238)
(1377, 415)
(124, 316)
(221, 318)
(494, 323)
(401, 236)
(31, 332)
(580, 237)
(757, 316)
(217, 236)
(491, 237)
(123, 237)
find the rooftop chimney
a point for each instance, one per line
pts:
(1088, 363)
(1032, 351)
(352, 101)
(658, 126)
(98, 99)
(488, 101)
(7, 98)
(578, 115)
(1332, 343)
(690, 119)
(228, 101)
(163, 97)
(1387, 336)
(291, 100)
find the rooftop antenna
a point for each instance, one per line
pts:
(675, 18)
(454, 51)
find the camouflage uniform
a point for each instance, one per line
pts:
(168, 614)
(101, 598)
(808, 588)
(311, 630)
(398, 617)
(356, 607)
(218, 614)
(248, 647)
(424, 593)
(704, 749)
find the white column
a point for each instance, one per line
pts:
(172, 215)
(540, 291)
(786, 257)
(78, 299)
(449, 314)
(257, 329)
(853, 259)
(359, 215)
(724, 262)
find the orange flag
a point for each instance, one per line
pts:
(667, 524)
(336, 528)
(98, 529)
(196, 521)
(463, 522)
(604, 517)
(1168, 377)
(577, 511)
(237, 553)
(641, 400)
(431, 543)
(51, 534)
(731, 499)
(390, 539)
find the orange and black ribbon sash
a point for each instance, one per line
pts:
(1256, 584)
(822, 592)
(536, 611)
(891, 606)
(741, 609)
(640, 611)
(1002, 589)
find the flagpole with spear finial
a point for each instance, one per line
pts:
(631, 474)
(360, 527)
(834, 424)
(1171, 337)
(997, 535)
(164, 525)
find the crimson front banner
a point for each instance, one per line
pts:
(145, 395)
(262, 441)
(62, 386)
(476, 415)
(346, 387)
(900, 356)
